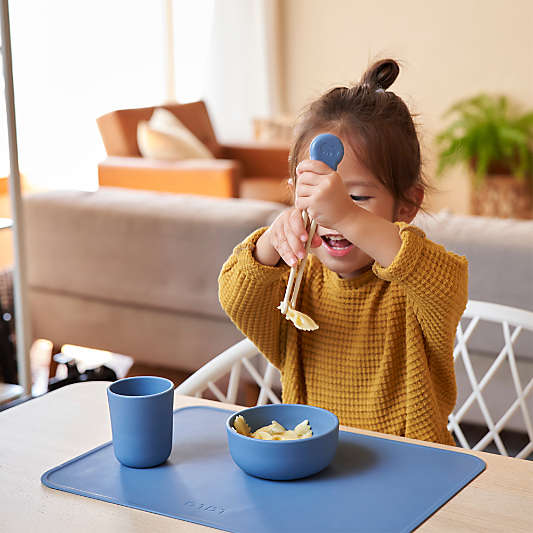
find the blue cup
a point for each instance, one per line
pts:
(141, 420)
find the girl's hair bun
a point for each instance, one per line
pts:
(381, 75)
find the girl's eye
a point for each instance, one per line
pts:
(356, 198)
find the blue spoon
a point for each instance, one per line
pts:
(327, 148)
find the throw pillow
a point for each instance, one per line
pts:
(165, 137)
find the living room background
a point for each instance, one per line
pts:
(154, 137)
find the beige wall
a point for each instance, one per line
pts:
(449, 50)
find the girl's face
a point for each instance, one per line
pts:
(367, 192)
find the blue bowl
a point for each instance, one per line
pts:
(289, 459)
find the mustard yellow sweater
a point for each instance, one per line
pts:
(382, 356)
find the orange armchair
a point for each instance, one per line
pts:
(253, 170)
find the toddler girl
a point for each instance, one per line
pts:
(386, 299)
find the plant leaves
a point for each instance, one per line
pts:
(487, 130)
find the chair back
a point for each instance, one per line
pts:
(239, 357)
(119, 128)
(511, 322)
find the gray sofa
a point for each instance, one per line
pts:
(135, 272)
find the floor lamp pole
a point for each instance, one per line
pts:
(22, 322)
(170, 72)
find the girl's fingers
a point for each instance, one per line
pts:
(297, 225)
(304, 190)
(309, 178)
(302, 202)
(312, 165)
(299, 229)
(296, 222)
(290, 237)
(294, 240)
(285, 240)
(284, 250)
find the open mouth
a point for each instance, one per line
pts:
(336, 245)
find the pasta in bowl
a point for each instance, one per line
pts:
(274, 431)
(282, 441)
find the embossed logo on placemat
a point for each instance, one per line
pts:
(203, 507)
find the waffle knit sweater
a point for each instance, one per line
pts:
(382, 357)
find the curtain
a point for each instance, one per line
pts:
(72, 62)
(192, 24)
(242, 79)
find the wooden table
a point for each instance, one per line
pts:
(45, 432)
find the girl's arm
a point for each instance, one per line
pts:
(433, 278)
(253, 281)
(436, 287)
(249, 293)
(377, 237)
(436, 280)
(435, 283)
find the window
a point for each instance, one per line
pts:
(72, 62)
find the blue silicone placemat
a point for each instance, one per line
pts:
(372, 485)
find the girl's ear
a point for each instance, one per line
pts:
(406, 212)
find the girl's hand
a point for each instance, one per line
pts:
(285, 238)
(321, 191)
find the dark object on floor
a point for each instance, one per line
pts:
(102, 373)
(514, 441)
(8, 356)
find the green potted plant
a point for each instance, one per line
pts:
(495, 141)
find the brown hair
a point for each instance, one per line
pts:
(378, 125)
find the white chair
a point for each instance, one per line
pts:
(232, 361)
(513, 321)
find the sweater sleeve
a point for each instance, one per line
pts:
(435, 280)
(436, 285)
(249, 292)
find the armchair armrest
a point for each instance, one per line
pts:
(210, 177)
(260, 159)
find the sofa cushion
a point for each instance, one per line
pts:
(151, 336)
(165, 137)
(143, 248)
(119, 128)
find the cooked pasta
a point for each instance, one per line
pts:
(274, 431)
